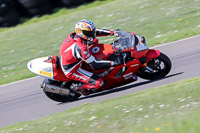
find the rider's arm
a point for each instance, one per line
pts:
(84, 54)
(96, 63)
(104, 32)
(102, 64)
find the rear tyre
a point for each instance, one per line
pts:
(161, 66)
(58, 97)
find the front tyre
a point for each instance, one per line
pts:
(161, 66)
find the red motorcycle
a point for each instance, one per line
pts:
(137, 59)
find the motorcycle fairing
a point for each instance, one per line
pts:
(101, 51)
(57, 70)
(152, 54)
(49, 68)
(113, 79)
(40, 67)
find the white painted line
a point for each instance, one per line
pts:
(161, 45)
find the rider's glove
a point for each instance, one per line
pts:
(143, 40)
(114, 32)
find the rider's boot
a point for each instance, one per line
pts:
(79, 88)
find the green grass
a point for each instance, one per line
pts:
(172, 108)
(160, 21)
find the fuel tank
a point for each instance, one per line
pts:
(101, 51)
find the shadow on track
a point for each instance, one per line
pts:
(118, 89)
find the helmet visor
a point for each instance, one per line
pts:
(90, 33)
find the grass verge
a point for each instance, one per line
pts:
(160, 21)
(172, 108)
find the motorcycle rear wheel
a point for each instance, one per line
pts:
(161, 66)
(58, 97)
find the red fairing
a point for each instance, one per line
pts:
(133, 33)
(57, 72)
(152, 54)
(101, 51)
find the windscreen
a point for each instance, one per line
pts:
(125, 40)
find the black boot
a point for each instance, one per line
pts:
(79, 89)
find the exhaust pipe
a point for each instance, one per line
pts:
(55, 89)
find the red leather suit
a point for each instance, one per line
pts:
(74, 51)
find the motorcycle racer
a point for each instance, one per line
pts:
(75, 50)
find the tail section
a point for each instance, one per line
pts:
(48, 67)
(40, 67)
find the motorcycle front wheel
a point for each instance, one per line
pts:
(161, 66)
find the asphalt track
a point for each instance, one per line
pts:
(24, 100)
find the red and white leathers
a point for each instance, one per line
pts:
(74, 51)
